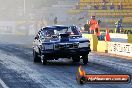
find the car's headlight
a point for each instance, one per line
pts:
(48, 46)
(84, 44)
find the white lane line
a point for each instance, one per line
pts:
(3, 84)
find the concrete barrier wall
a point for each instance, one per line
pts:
(7, 27)
(119, 37)
(124, 38)
(129, 38)
(93, 41)
(117, 48)
(102, 46)
(124, 49)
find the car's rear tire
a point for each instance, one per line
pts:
(43, 60)
(85, 59)
(76, 59)
(35, 56)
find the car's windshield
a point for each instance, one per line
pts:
(70, 31)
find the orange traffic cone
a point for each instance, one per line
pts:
(107, 35)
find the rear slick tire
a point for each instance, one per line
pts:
(35, 57)
(85, 59)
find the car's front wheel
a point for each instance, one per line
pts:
(85, 59)
(43, 60)
(35, 56)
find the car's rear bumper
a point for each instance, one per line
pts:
(64, 53)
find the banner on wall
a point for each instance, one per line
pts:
(117, 48)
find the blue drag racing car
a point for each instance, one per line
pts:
(54, 42)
